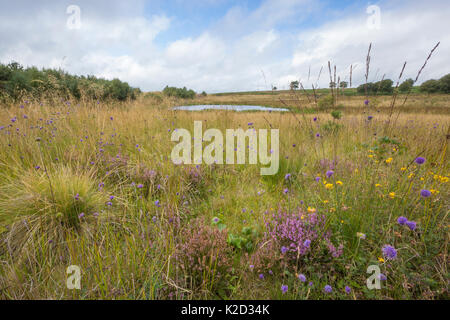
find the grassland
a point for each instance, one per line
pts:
(93, 185)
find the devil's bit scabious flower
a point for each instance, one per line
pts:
(411, 225)
(348, 289)
(328, 289)
(366, 102)
(284, 288)
(261, 276)
(307, 243)
(302, 277)
(284, 250)
(420, 160)
(402, 220)
(329, 173)
(389, 252)
(425, 193)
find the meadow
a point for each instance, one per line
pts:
(92, 184)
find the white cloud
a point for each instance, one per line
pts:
(233, 53)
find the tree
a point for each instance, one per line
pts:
(444, 84)
(294, 85)
(430, 86)
(343, 84)
(406, 85)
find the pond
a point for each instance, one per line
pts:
(201, 107)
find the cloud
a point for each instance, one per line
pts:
(245, 49)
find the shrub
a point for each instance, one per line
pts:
(182, 93)
(430, 86)
(291, 239)
(406, 85)
(326, 102)
(204, 258)
(336, 114)
(17, 82)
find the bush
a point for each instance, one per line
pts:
(182, 93)
(430, 86)
(293, 238)
(326, 102)
(204, 257)
(380, 87)
(406, 85)
(17, 83)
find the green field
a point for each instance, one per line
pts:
(92, 184)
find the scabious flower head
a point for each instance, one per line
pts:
(81, 215)
(157, 203)
(389, 252)
(369, 118)
(284, 249)
(420, 160)
(261, 276)
(307, 243)
(382, 277)
(287, 176)
(348, 289)
(302, 277)
(366, 102)
(286, 190)
(317, 179)
(140, 186)
(425, 193)
(330, 173)
(411, 225)
(284, 288)
(361, 235)
(315, 119)
(402, 220)
(328, 289)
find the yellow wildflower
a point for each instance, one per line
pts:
(403, 168)
(329, 186)
(339, 182)
(392, 195)
(389, 160)
(311, 210)
(381, 259)
(377, 185)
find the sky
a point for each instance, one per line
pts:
(227, 45)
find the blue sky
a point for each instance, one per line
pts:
(221, 45)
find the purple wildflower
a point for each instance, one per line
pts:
(157, 204)
(425, 193)
(420, 160)
(402, 220)
(284, 249)
(411, 225)
(302, 277)
(328, 289)
(348, 289)
(287, 176)
(81, 215)
(286, 190)
(77, 197)
(382, 277)
(261, 276)
(140, 186)
(330, 173)
(307, 243)
(284, 288)
(389, 252)
(366, 102)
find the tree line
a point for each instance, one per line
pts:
(385, 86)
(17, 82)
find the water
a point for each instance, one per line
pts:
(201, 107)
